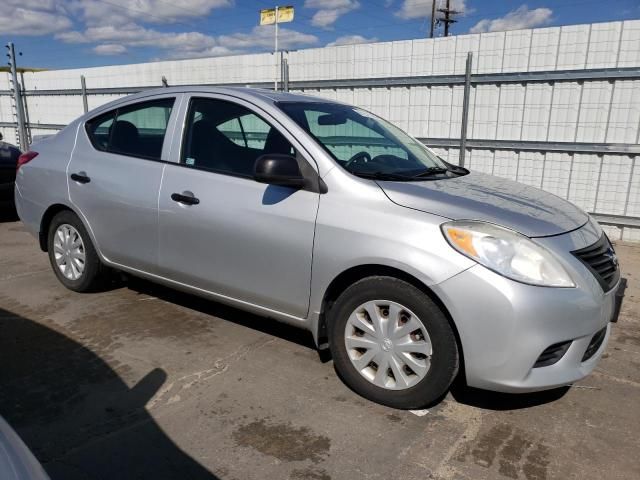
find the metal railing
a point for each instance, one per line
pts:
(467, 80)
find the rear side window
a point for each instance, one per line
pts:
(99, 129)
(135, 130)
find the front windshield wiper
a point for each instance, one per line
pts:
(430, 171)
(380, 175)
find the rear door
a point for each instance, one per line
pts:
(115, 174)
(242, 239)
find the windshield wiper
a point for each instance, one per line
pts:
(430, 171)
(380, 175)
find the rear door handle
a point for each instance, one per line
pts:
(80, 177)
(187, 199)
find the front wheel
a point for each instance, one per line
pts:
(72, 255)
(392, 344)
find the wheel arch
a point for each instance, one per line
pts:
(47, 217)
(354, 274)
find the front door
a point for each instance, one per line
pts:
(223, 232)
(114, 178)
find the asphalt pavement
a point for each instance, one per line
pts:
(144, 382)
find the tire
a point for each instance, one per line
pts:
(408, 304)
(93, 273)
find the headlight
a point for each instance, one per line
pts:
(506, 252)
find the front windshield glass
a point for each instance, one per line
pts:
(363, 143)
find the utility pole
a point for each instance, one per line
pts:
(17, 96)
(275, 16)
(433, 17)
(275, 81)
(447, 20)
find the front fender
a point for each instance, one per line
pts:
(378, 232)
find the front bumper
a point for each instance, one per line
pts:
(504, 326)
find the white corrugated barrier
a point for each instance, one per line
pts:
(589, 112)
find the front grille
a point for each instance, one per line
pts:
(601, 260)
(552, 354)
(595, 344)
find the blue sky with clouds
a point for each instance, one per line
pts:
(76, 33)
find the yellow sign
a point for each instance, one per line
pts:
(268, 16)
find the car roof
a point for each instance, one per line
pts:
(246, 92)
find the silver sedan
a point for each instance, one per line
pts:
(322, 215)
(16, 460)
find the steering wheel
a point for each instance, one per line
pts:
(357, 157)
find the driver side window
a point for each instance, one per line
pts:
(349, 138)
(225, 137)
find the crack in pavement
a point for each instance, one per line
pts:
(220, 366)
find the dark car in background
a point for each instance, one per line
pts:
(8, 162)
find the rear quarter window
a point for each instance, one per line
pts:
(98, 130)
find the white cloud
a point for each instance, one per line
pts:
(178, 45)
(32, 17)
(98, 12)
(330, 10)
(188, 44)
(520, 18)
(412, 9)
(116, 26)
(109, 49)
(263, 37)
(137, 36)
(351, 40)
(43, 17)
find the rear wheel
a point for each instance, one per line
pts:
(392, 344)
(72, 255)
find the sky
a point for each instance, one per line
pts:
(85, 33)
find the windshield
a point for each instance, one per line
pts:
(362, 143)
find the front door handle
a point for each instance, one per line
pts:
(80, 177)
(185, 198)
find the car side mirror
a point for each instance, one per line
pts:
(278, 169)
(0, 137)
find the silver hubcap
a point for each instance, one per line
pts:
(388, 344)
(68, 250)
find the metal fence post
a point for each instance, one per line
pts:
(465, 109)
(25, 111)
(17, 96)
(282, 71)
(85, 103)
(285, 75)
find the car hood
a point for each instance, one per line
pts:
(476, 196)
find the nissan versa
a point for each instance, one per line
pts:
(325, 216)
